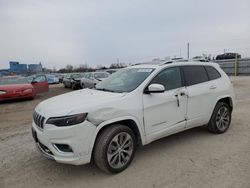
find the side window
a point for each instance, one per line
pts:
(86, 75)
(212, 73)
(194, 75)
(170, 78)
(90, 76)
(40, 79)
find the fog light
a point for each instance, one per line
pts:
(63, 148)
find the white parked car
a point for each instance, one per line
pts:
(134, 106)
(90, 79)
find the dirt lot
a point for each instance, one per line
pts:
(194, 158)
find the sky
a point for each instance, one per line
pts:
(61, 32)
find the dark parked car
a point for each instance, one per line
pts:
(228, 56)
(72, 81)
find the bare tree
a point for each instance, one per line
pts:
(69, 68)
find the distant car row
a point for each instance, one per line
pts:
(17, 87)
(85, 80)
(51, 79)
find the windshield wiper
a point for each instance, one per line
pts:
(108, 90)
(104, 89)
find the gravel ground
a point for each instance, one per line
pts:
(194, 158)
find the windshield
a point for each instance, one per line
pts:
(101, 75)
(76, 76)
(30, 78)
(14, 80)
(50, 76)
(125, 80)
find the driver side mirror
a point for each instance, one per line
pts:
(155, 88)
(34, 82)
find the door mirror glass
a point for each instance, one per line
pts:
(155, 88)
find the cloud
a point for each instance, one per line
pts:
(97, 32)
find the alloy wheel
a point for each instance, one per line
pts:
(223, 118)
(120, 150)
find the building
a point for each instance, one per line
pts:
(17, 68)
(35, 68)
(4, 72)
(21, 69)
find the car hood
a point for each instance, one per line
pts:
(76, 79)
(15, 87)
(81, 101)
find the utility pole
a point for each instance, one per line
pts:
(188, 50)
(180, 52)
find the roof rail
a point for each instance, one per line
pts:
(145, 63)
(167, 62)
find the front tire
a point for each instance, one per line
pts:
(221, 118)
(114, 149)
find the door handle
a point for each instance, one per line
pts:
(183, 93)
(178, 101)
(213, 87)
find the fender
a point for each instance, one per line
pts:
(111, 121)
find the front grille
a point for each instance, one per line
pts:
(38, 119)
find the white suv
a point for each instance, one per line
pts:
(134, 106)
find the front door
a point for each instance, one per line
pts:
(165, 113)
(40, 84)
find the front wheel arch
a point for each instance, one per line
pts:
(130, 122)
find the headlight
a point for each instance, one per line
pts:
(2, 92)
(67, 120)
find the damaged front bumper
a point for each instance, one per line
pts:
(70, 145)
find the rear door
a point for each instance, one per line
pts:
(40, 84)
(200, 98)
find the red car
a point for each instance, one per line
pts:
(21, 88)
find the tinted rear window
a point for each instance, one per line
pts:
(194, 75)
(212, 73)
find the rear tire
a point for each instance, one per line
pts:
(221, 118)
(114, 148)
